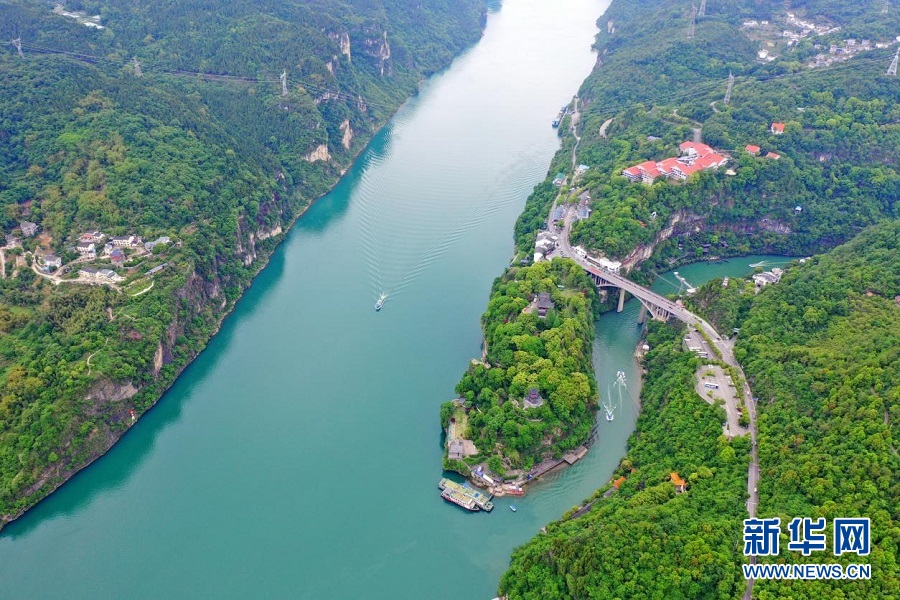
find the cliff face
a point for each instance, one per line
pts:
(225, 177)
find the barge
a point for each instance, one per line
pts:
(465, 496)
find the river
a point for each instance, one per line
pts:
(299, 455)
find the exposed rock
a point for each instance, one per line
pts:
(264, 234)
(767, 224)
(105, 391)
(320, 153)
(158, 359)
(348, 133)
(644, 251)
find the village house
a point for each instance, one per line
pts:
(28, 228)
(679, 483)
(768, 277)
(52, 262)
(88, 272)
(12, 241)
(544, 245)
(149, 246)
(92, 236)
(777, 128)
(109, 275)
(772, 155)
(108, 248)
(87, 249)
(533, 399)
(117, 257)
(751, 149)
(126, 241)
(544, 305)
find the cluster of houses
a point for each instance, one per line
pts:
(838, 53)
(692, 157)
(89, 241)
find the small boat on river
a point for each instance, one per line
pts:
(380, 302)
(512, 507)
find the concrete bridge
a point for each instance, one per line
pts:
(659, 307)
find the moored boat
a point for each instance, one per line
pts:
(460, 500)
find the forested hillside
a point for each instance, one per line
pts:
(166, 122)
(821, 351)
(819, 348)
(645, 540)
(837, 161)
(526, 350)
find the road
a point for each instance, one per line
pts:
(724, 347)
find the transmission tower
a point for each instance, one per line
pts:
(18, 44)
(728, 89)
(693, 22)
(702, 11)
(284, 90)
(892, 70)
(137, 68)
(886, 7)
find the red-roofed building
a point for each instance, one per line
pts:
(693, 149)
(772, 155)
(618, 482)
(694, 157)
(754, 150)
(632, 173)
(665, 167)
(777, 128)
(679, 483)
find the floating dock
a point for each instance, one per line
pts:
(465, 496)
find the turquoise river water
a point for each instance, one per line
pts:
(299, 455)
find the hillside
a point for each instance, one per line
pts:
(832, 172)
(820, 349)
(195, 150)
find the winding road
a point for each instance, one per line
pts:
(724, 347)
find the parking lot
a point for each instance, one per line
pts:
(712, 383)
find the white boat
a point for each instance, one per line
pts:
(380, 302)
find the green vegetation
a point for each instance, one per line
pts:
(819, 348)
(822, 352)
(525, 351)
(646, 540)
(220, 165)
(839, 153)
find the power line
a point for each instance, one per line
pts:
(693, 22)
(728, 89)
(324, 93)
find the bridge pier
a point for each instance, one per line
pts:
(621, 300)
(642, 317)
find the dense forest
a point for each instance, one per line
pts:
(167, 122)
(821, 352)
(549, 353)
(838, 164)
(819, 348)
(645, 540)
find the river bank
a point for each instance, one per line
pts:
(144, 398)
(305, 382)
